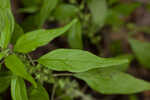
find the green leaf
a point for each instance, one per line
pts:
(126, 9)
(0, 67)
(45, 11)
(75, 36)
(32, 40)
(13, 63)
(113, 82)
(123, 67)
(18, 89)
(18, 31)
(37, 20)
(6, 23)
(76, 60)
(65, 11)
(3, 54)
(38, 93)
(5, 78)
(28, 3)
(98, 10)
(4, 3)
(31, 9)
(141, 51)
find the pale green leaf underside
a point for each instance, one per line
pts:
(18, 89)
(32, 40)
(76, 60)
(113, 82)
(14, 64)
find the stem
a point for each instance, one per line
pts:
(30, 59)
(63, 74)
(53, 92)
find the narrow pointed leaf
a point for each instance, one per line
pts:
(32, 40)
(14, 64)
(113, 82)
(75, 36)
(76, 60)
(18, 89)
(6, 23)
(38, 93)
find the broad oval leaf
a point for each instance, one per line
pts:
(5, 78)
(38, 93)
(13, 63)
(113, 82)
(6, 23)
(98, 9)
(18, 89)
(75, 36)
(32, 40)
(76, 60)
(141, 51)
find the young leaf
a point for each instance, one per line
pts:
(75, 36)
(98, 9)
(13, 63)
(5, 78)
(76, 60)
(141, 50)
(38, 93)
(6, 23)
(32, 40)
(18, 89)
(113, 82)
